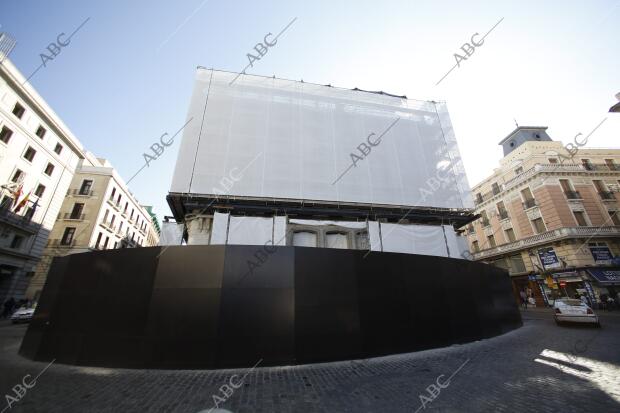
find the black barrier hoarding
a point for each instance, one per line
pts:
(199, 306)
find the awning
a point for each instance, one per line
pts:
(569, 277)
(605, 276)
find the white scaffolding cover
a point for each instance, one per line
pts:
(277, 138)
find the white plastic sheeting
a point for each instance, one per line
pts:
(219, 229)
(286, 139)
(279, 230)
(346, 224)
(171, 233)
(463, 248)
(454, 248)
(304, 239)
(414, 239)
(374, 235)
(250, 231)
(336, 240)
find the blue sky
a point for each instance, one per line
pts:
(126, 78)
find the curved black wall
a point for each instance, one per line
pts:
(219, 306)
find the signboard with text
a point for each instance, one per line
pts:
(601, 255)
(548, 258)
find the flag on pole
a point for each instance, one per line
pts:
(17, 193)
(22, 203)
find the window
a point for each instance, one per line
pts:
(528, 198)
(6, 202)
(118, 200)
(115, 244)
(491, 240)
(363, 242)
(484, 219)
(510, 235)
(501, 210)
(615, 217)
(39, 191)
(87, 184)
(600, 186)
(58, 148)
(495, 188)
(479, 198)
(567, 187)
(610, 164)
(105, 244)
(76, 213)
(105, 216)
(120, 227)
(49, 169)
(5, 134)
(29, 213)
(587, 165)
(17, 241)
(98, 241)
(580, 217)
(112, 220)
(539, 225)
(553, 160)
(67, 237)
(18, 110)
(336, 240)
(516, 264)
(29, 154)
(475, 246)
(519, 170)
(18, 176)
(112, 194)
(304, 239)
(41, 132)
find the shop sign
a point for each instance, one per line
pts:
(601, 254)
(605, 276)
(548, 258)
(590, 291)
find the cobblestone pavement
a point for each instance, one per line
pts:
(539, 368)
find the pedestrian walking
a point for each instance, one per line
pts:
(8, 307)
(523, 298)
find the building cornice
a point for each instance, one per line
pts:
(546, 238)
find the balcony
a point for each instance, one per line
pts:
(602, 167)
(17, 221)
(607, 196)
(550, 236)
(529, 203)
(73, 217)
(115, 205)
(81, 192)
(503, 215)
(60, 243)
(485, 222)
(572, 195)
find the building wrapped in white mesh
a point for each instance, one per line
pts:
(267, 160)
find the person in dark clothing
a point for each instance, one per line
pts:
(8, 307)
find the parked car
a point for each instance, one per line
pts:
(574, 311)
(22, 315)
